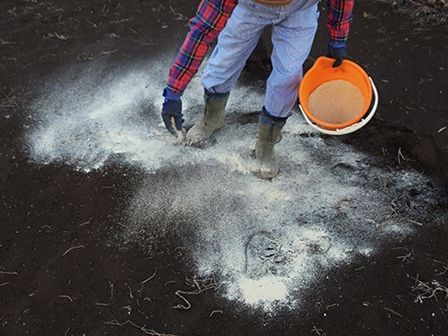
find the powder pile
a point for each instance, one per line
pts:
(336, 102)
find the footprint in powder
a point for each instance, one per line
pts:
(344, 171)
(265, 254)
(320, 245)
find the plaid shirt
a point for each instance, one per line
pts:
(211, 18)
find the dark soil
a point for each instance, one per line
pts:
(423, 11)
(60, 276)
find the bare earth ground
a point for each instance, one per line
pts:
(62, 271)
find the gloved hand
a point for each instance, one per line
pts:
(338, 53)
(172, 115)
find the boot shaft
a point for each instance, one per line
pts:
(213, 119)
(269, 131)
(269, 128)
(215, 103)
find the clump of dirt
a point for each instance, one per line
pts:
(425, 11)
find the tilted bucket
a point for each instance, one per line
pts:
(337, 100)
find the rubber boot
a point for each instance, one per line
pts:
(213, 119)
(269, 133)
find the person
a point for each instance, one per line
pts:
(294, 23)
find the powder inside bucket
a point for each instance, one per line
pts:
(336, 102)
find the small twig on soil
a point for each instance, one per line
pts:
(91, 57)
(66, 297)
(400, 156)
(74, 19)
(422, 8)
(11, 59)
(445, 269)
(318, 332)
(406, 256)
(332, 305)
(66, 332)
(143, 328)
(73, 248)
(144, 43)
(170, 282)
(91, 23)
(111, 286)
(216, 312)
(85, 223)
(399, 248)
(8, 273)
(108, 52)
(102, 304)
(201, 285)
(47, 55)
(128, 308)
(145, 281)
(4, 284)
(130, 292)
(150, 278)
(9, 101)
(444, 265)
(3, 42)
(415, 222)
(61, 37)
(178, 16)
(441, 130)
(428, 290)
(113, 35)
(180, 294)
(318, 306)
(122, 20)
(393, 312)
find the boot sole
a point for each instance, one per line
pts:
(196, 142)
(264, 176)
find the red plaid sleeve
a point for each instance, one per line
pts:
(338, 22)
(210, 20)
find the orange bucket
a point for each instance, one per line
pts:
(321, 73)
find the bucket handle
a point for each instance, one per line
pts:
(352, 128)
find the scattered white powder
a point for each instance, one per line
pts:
(88, 119)
(267, 289)
(267, 241)
(368, 251)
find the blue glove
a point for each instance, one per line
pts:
(172, 114)
(338, 53)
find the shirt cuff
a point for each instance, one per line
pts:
(170, 94)
(336, 44)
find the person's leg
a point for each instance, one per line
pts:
(235, 44)
(292, 40)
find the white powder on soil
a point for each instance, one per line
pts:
(267, 241)
(267, 289)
